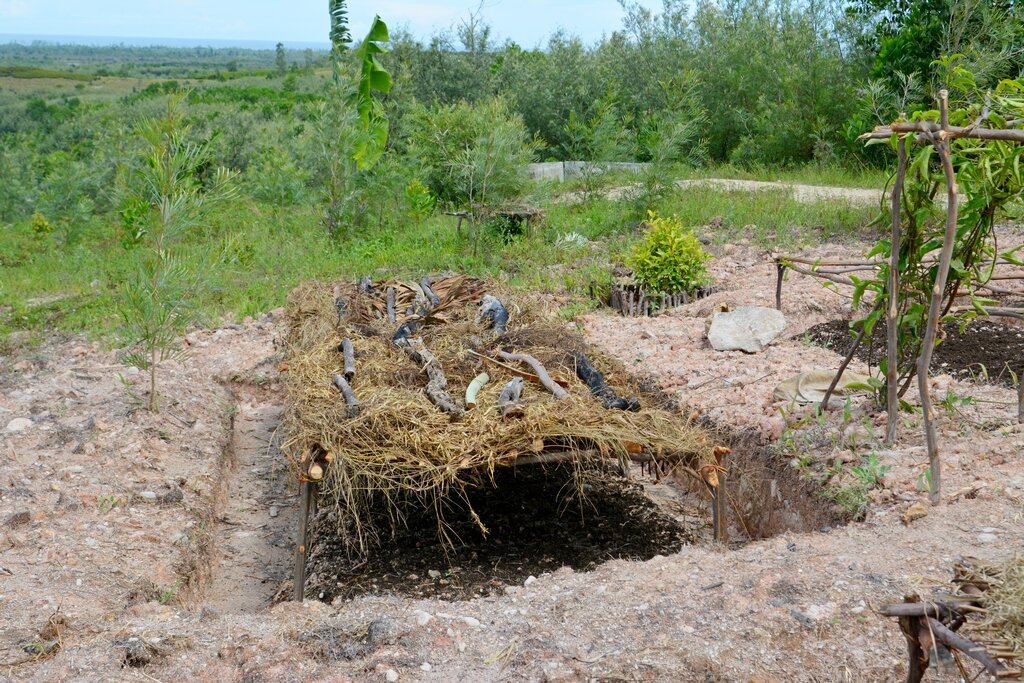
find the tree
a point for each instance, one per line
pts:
(280, 61)
(170, 199)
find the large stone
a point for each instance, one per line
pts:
(19, 424)
(748, 328)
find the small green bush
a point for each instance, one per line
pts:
(671, 258)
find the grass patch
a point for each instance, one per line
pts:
(14, 71)
(46, 285)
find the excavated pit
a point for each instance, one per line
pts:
(536, 523)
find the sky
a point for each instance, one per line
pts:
(527, 22)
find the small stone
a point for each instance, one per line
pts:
(391, 676)
(382, 632)
(423, 618)
(19, 518)
(986, 538)
(914, 512)
(530, 580)
(433, 573)
(148, 495)
(274, 511)
(19, 424)
(425, 666)
(470, 621)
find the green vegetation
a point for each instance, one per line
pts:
(670, 259)
(347, 159)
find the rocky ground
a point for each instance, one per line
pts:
(137, 546)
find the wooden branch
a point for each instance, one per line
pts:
(474, 388)
(515, 371)
(509, 401)
(927, 128)
(365, 284)
(436, 383)
(345, 388)
(392, 314)
(433, 298)
(541, 373)
(838, 279)
(600, 388)
(924, 360)
(842, 368)
(892, 312)
(957, 642)
(349, 354)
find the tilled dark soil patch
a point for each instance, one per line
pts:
(533, 528)
(983, 348)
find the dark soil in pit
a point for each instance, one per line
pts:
(533, 528)
(996, 346)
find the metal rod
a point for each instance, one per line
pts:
(892, 314)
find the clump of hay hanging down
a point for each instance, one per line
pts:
(999, 588)
(397, 445)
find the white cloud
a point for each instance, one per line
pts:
(14, 9)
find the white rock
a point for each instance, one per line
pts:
(423, 618)
(148, 495)
(433, 573)
(425, 666)
(470, 621)
(748, 328)
(529, 580)
(274, 512)
(391, 676)
(19, 424)
(986, 538)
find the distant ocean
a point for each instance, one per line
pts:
(132, 41)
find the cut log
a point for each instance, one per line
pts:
(474, 388)
(509, 401)
(599, 387)
(405, 331)
(392, 315)
(350, 396)
(350, 358)
(433, 298)
(436, 383)
(365, 285)
(492, 309)
(538, 369)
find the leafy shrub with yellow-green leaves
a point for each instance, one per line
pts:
(670, 259)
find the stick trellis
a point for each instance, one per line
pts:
(839, 272)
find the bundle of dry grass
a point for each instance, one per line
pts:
(999, 590)
(395, 442)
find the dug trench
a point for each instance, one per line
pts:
(537, 522)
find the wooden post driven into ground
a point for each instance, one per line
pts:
(307, 491)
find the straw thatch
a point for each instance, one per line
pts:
(398, 444)
(1002, 598)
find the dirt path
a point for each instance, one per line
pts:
(254, 533)
(807, 194)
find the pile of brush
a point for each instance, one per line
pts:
(403, 390)
(981, 617)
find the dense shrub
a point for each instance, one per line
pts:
(670, 259)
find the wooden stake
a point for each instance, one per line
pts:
(351, 402)
(934, 310)
(509, 400)
(842, 369)
(780, 274)
(307, 490)
(1020, 399)
(892, 313)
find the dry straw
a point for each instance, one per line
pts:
(400, 445)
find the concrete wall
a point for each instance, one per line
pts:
(560, 171)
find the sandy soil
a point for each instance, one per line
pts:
(158, 540)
